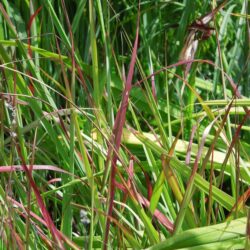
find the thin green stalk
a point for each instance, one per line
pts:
(106, 40)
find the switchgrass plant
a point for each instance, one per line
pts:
(109, 139)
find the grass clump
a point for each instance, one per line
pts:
(124, 124)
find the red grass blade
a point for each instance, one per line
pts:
(117, 130)
(31, 84)
(157, 214)
(43, 222)
(240, 203)
(8, 169)
(130, 189)
(50, 224)
(29, 28)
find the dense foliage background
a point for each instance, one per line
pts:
(108, 141)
